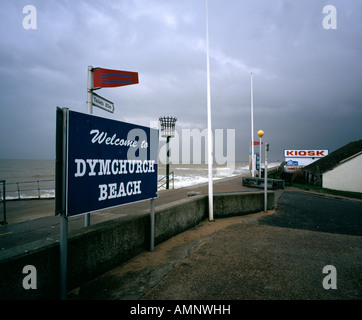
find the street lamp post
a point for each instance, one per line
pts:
(266, 178)
(168, 131)
(260, 134)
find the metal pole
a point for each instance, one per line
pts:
(90, 111)
(266, 178)
(4, 201)
(260, 158)
(168, 163)
(18, 190)
(63, 255)
(38, 189)
(89, 90)
(152, 223)
(252, 125)
(209, 132)
(63, 241)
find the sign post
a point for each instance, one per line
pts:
(60, 193)
(152, 223)
(90, 111)
(105, 78)
(100, 163)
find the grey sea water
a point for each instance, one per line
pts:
(28, 178)
(35, 178)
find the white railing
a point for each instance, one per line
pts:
(36, 189)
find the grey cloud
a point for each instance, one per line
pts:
(306, 79)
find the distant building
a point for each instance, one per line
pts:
(340, 170)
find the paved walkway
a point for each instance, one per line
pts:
(31, 220)
(249, 257)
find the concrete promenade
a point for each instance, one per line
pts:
(278, 255)
(31, 220)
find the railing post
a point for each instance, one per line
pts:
(18, 190)
(4, 201)
(38, 189)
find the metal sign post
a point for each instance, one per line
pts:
(63, 255)
(90, 111)
(60, 194)
(152, 224)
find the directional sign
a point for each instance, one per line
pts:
(108, 78)
(102, 103)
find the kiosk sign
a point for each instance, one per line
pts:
(109, 163)
(296, 159)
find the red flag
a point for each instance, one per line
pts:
(256, 143)
(107, 78)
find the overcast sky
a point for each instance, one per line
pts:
(307, 79)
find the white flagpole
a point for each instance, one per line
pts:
(89, 90)
(209, 132)
(252, 126)
(90, 111)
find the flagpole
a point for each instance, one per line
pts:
(90, 111)
(252, 125)
(89, 90)
(209, 132)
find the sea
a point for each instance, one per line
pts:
(25, 179)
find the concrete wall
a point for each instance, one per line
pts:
(346, 176)
(104, 246)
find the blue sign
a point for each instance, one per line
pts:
(110, 163)
(291, 163)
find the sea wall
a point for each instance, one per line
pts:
(104, 246)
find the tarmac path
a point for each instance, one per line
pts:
(278, 255)
(306, 211)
